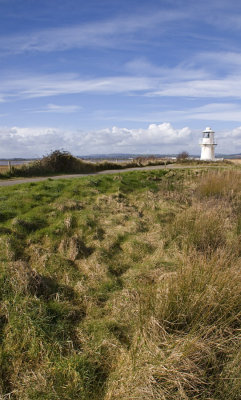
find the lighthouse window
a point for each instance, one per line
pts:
(206, 135)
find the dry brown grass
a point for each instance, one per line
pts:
(220, 184)
(235, 161)
(4, 168)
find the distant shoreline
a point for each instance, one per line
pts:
(112, 157)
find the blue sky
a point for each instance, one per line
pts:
(115, 76)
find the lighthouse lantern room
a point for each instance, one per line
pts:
(208, 145)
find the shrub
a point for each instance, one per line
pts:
(184, 155)
(56, 162)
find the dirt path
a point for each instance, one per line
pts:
(11, 182)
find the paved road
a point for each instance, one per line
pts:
(11, 182)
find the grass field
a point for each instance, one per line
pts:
(122, 287)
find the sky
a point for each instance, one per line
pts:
(119, 76)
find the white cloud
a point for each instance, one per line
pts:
(20, 142)
(216, 88)
(27, 133)
(184, 71)
(143, 78)
(229, 21)
(62, 109)
(206, 75)
(162, 138)
(104, 33)
(222, 57)
(58, 84)
(210, 112)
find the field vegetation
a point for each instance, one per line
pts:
(122, 287)
(61, 162)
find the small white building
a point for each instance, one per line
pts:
(208, 145)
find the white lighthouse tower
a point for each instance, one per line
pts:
(208, 145)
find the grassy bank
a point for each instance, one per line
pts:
(122, 287)
(61, 162)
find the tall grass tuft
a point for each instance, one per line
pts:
(201, 226)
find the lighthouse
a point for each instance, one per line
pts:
(207, 145)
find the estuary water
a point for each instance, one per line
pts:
(5, 162)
